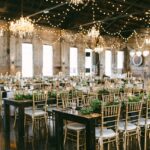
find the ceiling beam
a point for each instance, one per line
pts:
(47, 9)
(121, 14)
(108, 19)
(139, 4)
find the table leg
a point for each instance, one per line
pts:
(21, 129)
(59, 131)
(90, 135)
(7, 125)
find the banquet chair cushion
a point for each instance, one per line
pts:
(75, 126)
(130, 126)
(106, 133)
(35, 113)
(143, 123)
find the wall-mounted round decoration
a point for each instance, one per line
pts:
(137, 60)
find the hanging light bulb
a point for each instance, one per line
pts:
(145, 53)
(147, 41)
(132, 53)
(138, 53)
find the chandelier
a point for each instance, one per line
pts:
(76, 2)
(93, 32)
(98, 49)
(22, 27)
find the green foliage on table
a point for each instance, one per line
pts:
(23, 97)
(27, 96)
(148, 96)
(103, 91)
(86, 110)
(95, 104)
(115, 102)
(18, 97)
(121, 89)
(134, 98)
(51, 94)
(125, 81)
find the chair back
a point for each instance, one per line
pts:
(110, 115)
(128, 90)
(89, 99)
(132, 112)
(80, 97)
(1, 93)
(124, 97)
(65, 99)
(146, 111)
(39, 99)
(108, 98)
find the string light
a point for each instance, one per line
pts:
(137, 43)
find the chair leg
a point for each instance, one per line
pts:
(78, 138)
(117, 143)
(101, 146)
(108, 144)
(127, 142)
(145, 139)
(65, 136)
(33, 124)
(15, 119)
(124, 143)
(46, 124)
(139, 141)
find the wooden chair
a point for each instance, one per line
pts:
(128, 90)
(129, 125)
(108, 98)
(1, 93)
(145, 121)
(74, 132)
(38, 112)
(108, 131)
(124, 97)
(89, 99)
(80, 97)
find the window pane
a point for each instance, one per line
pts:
(108, 57)
(27, 60)
(47, 60)
(73, 61)
(88, 61)
(120, 59)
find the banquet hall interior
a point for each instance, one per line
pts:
(74, 75)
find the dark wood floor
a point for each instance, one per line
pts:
(40, 140)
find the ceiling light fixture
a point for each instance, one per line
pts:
(93, 32)
(139, 53)
(22, 27)
(98, 49)
(76, 2)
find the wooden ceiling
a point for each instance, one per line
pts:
(122, 16)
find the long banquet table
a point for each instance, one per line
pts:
(73, 115)
(20, 104)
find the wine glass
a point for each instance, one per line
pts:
(73, 105)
